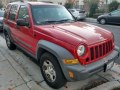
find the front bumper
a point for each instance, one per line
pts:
(83, 72)
(81, 17)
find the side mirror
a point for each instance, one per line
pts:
(22, 22)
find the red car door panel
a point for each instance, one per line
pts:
(25, 33)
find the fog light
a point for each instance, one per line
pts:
(73, 61)
(71, 74)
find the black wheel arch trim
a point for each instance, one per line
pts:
(59, 52)
(7, 29)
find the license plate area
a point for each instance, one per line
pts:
(109, 65)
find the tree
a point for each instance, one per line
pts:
(1, 5)
(113, 5)
(93, 7)
(68, 5)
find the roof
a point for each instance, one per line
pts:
(41, 3)
(33, 3)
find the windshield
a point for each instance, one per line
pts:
(1, 13)
(47, 14)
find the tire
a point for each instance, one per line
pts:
(9, 43)
(50, 67)
(102, 21)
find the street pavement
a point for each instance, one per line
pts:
(18, 71)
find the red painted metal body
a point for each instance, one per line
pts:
(67, 35)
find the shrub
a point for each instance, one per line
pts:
(113, 6)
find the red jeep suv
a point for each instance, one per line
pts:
(65, 49)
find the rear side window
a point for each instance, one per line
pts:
(13, 12)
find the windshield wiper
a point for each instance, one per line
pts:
(66, 20)
(55, 22)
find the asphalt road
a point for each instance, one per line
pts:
(113, 28)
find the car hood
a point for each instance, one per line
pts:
(103, 15)
(76, 33)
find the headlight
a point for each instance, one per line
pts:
(81, 50)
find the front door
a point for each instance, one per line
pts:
(25, 33)
(115, 17)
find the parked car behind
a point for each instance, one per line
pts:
(1, 19)
(112, 17)
(80, 15)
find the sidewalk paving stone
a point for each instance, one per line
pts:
(2, 57)
(33, 86)
(8, 76)
(21, 87)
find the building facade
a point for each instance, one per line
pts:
(77, 3)
(61, 2)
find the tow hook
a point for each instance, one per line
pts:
(105, 67)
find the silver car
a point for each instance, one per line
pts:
(80, 15)
(1, 19)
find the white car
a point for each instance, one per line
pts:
(78, 14)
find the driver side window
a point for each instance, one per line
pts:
(23, 12)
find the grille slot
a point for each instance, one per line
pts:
(100, 50)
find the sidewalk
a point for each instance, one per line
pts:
(19, 72)
(12, 75)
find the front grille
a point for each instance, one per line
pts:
(100, 50)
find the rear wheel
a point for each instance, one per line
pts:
(51, 71)
(9, 43)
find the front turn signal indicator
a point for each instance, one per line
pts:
(71, 74)
(71, 61)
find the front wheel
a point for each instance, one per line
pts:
(51, 71)
(102, 21)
